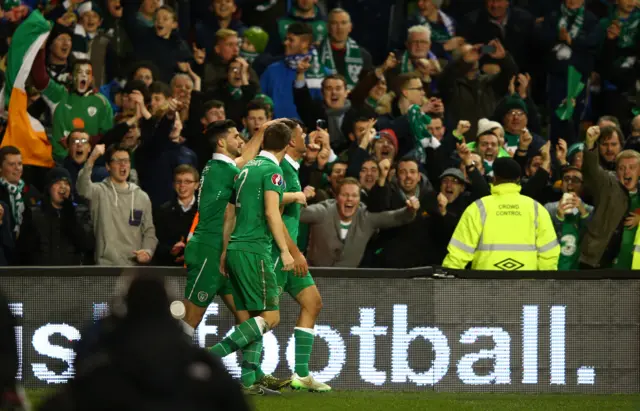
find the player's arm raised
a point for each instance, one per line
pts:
(228, 225)
(274, 220)
(299, 197)
(252, 148)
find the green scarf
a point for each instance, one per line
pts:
(371, 102)
(440, 33)
(234, 92)
(406, 66)
(352, 60)
(570, 14)
(17, 202)
(318, 25)
(418, 122)
(628, 29)
(249, 56)
(511, 140)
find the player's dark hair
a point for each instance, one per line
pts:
(112, 149)
(289, 123)
(256, 105)
(218, 130)
(158, 87)
(370, 159)
(186, 168)
(8, 151)
(276, 137)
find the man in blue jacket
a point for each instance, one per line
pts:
(277, 80)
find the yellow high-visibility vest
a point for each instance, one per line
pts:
(635, 265)
(504, 231)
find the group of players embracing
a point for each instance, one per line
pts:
(243, 248)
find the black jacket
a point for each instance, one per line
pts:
(172, 225)
(424, 241)
(59, 237)
(517, 36)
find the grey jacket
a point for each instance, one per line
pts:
(121, 218)
(326, 249)
(611, 202)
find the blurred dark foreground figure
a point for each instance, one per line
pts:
(138, 359)
(11, 395)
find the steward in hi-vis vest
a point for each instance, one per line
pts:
(504, 231)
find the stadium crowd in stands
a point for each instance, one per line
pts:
(103, 136)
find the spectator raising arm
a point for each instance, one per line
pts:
(395, 218)
(86, 188)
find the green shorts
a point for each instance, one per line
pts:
(254, 281)
(204, 280)
(288, 281)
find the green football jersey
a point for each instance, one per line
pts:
(93, 109)
(216, 188)
(291, 213)
(252, 231)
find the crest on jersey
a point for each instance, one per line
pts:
(92, 111)
(277, 180)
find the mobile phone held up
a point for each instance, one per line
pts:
(321, 124)
(487, 49)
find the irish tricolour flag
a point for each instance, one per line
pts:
(23, 131)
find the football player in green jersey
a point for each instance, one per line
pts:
(298, 283)
(247, 256)
(203, 251)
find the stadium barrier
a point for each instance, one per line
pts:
(384, 329)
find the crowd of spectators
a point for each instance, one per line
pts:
(402, 101)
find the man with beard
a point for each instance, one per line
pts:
(202, 253)
(609, 240)
(79, 107)
(487, 149)
(59, 233)
(341, 228)
(369, 174)
(610, 144)
(570, 218)
(340, 54)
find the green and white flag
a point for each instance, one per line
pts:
(25, 44)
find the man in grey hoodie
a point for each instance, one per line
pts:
(120, 211)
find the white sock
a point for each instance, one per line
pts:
(262, 325)
(306, 330)
(187, 329)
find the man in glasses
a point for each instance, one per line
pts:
(120, 211)
(79, 148)
(173, 218)
(570, 217)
